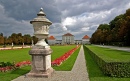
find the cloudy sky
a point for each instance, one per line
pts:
(78, 17)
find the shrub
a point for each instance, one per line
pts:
(6, 66)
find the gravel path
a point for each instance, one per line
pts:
(10, 48)
(78, 72)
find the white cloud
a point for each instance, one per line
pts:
(69, 21)
(64, 28)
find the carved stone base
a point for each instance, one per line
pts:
(41, 62)
(45, 74)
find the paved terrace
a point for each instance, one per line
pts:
(78, 72)
(116, 47)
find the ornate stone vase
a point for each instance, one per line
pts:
(41, 51)
(41, 28)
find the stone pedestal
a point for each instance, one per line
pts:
(41, 52)
(41, 62)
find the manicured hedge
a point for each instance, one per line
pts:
(114, 69)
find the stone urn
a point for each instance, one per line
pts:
(41, 51)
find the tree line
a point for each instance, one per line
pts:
(17, 39)
(117, 32)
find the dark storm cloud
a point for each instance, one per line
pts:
(79, 17)
(15, 15)
(27, 9)
(77, 7)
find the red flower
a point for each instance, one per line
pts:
(64, 57)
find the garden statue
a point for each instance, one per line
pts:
(41, 51)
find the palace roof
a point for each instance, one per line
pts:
(51, 38)
(86, 37)
(68, 34)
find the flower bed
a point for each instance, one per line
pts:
(4, 67)
(58, 61)
(23, 63)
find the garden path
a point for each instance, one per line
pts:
(78, 72)
(116, 47)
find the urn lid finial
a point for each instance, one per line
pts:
(41, 9)
(41, 13)
(41, 17)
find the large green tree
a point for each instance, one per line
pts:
(1, 40)
(27, 39)
(116, 32)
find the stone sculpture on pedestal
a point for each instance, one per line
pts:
(41, 51)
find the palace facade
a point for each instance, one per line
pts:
(68, 38)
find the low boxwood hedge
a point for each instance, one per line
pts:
(114, 69)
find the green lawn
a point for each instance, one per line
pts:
(22, 54)
(95, 74)
(16, 55)
(68, 64)
(110, 55)
(60, 50)
(19, 55)
(8, 76)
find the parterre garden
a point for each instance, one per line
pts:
(103, 64)
(21, 55)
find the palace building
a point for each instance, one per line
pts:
(68, 38)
